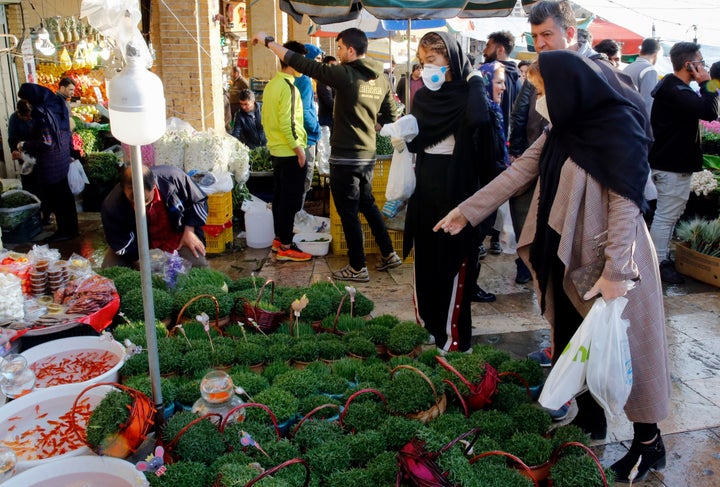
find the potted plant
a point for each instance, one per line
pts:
(131, 304)
(398, 430)
(251, 355)
(361, 348)
(493, 356)
(331, 348)
(354, 477)
(375, 374)
(185, 473)
(329, 457)
(364, 413)
(383, 468)
(196, 361)
(142, 384)
(385, 320)
(530, 370)
(494, 424)
(201, 276)
(223, 353)
(107, 418)
(377, 334)
(566, 434)
(281, 402)
(508, 397)
(412, 393)
(698, 255)
(487, 472)
(304, 351)
(534, 450)
(275, 368)
(186, 306)
(251, 382)
(136, 364)
(347, 368)
(200, 441)
(170, 356)
(583, 470)
(188, 391)
(308, 403)
(532, 419)
(406, 338)
(341, 323)
(332, 385)
(314, 432)
(364, 446)
(299, 383)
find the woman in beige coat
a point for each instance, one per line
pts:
(587, 213)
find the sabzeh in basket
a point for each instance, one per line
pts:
(262, 314)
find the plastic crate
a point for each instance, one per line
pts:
(380, 175)
(339, 244)
(25, 231)
(217, 237)
(335, 218)
(219, 208)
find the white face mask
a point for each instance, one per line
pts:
(542, 108)
(434, 76)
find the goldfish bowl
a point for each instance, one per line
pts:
(37, 426)
(95, 471)
(76, 360)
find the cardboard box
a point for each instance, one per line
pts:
(696, 265)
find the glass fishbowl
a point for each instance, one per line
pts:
(16, 378)
(218, 396)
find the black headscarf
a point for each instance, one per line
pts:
(48, 108)
(595, 126)
(440, 112)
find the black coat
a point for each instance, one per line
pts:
(248, 128)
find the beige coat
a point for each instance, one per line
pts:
(583, 213)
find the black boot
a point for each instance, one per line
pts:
(590, 417)
(653, 457)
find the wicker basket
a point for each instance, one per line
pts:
(284, 464)
(131, 434)
(266, 321)
(440, 401)
(317, 325)
(184, 308)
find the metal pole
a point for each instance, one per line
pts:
(146, 282)
(409, 71)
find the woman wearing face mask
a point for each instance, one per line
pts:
(587, 208)
(451, 111)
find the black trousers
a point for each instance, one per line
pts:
(61, 201)
(289, 179)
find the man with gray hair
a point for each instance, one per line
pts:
(643, 71)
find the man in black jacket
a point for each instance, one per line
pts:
(676, 153)
(248, 127)
(176, 212)
(363, 99)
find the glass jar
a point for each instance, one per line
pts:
(8, 460)
(16, 378)
(218, 396)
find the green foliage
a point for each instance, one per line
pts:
(363, 415)
(204, 276)
(493, 423)
(280, 451)
(531, 448)
(321, 369)
(223, 355)
(386, 321)
(232, 474)
(377, 334)
(262, 432)
(127, 281)
(202, 442)
(107, 418)
(345, 322)
(493, 356)
(196, 361)
(170, 355)
(489, 474)
(251, 282)
(530, 418)
(408, 393)
(471, 366)
(331, 348)
(332, 384)
(132, 304)
(427, 357)
(329, 457)
(275, 368)
(188, 390)
(308, 403)
(355, 477)
(567, 433)
(182, 474)
(347, 368)
(375, 374)
(321, 299)
(364, 446)
(101, 168)
(260, 159)
(137, 364)
(383, 469)
(456, 464)
(314, 432)
(405, 336)
(530, 370)
(363, 306)
(298, 382)
(89, 137)
(384, 147)
(142, 384)
(508, 397)
(202, 305)
(281, 402)
(578, 471)
(247, 353)
(305, 350)
(398, 430)
(252, 383)
(451, 424)
(702, 235)
(195, 331)
(114, 271)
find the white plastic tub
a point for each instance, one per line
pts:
(86, 471)
(87, 347)
(313, 243)
(39, 409)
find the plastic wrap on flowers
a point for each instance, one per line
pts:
(206, 151)
(239, 159)
(169, 150)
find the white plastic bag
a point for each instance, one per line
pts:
(401, 178)
(76, 177)
(504, 225)
(609, 370)
(567, 377)
(307, 223)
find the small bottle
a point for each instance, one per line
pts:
(218, 396)
(16, 378)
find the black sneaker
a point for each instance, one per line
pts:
(482, 251)
(668, 274)
(495, 248)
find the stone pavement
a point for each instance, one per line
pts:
(513, 323)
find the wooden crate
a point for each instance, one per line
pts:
(699, 266)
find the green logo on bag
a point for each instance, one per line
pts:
(582, 352)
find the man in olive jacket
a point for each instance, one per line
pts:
(362, 99)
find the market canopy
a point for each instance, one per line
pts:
(332, 11)
(604, 29)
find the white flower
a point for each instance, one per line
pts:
(703, 183)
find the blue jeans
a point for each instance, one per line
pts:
(351, 188)
(673, 191)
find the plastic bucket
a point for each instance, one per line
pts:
(259, 231)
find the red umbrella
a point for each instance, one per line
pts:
(604, 29)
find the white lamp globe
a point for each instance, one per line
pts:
(136, 102)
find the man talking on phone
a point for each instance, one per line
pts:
(676, 152)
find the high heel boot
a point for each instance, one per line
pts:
(653, 457)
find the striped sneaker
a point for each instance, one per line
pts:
(347, 273)
(390, 262)
(293, 253)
